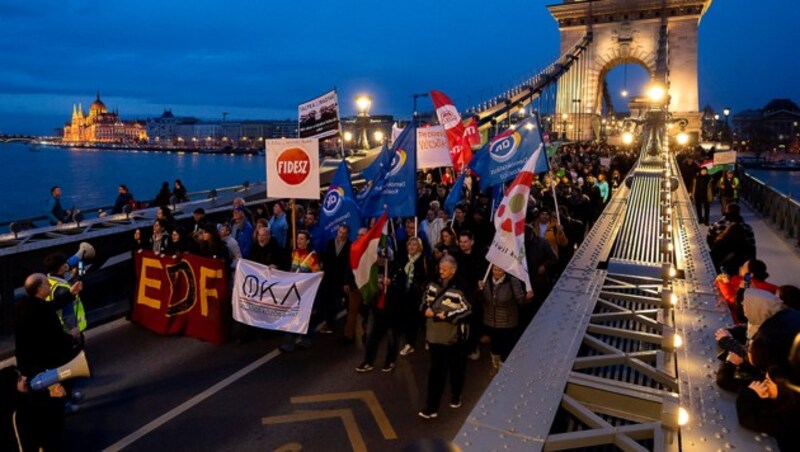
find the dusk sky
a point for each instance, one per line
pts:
(259, 59)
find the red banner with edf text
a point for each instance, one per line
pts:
(182, 295)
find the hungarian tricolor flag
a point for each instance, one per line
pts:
(507, 250)
(711, 167)
(364, 258)
(450, 118)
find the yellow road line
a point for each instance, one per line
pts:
(368, 397)
(346, 415)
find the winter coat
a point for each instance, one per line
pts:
(501, 302)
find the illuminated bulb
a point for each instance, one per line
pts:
(378, 135)
(348, 136)
(683, 416)
(683, 138)
(674, 300)
(627, 138)
(522, 112)
(512, 127)
(656, 93)
(624, 93)
(672, 273)
(529, 126)
(677, 340)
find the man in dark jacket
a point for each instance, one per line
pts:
(446, 311)
(703, 194)
(42, 344)
(266, 250)
(338, 276)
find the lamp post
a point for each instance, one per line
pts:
(564, 118)
(363, 103)
(415, 97)
(727, 112)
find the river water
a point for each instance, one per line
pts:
(786, 182)
(89, 177)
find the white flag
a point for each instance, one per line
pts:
(507, 250)
(273, 299)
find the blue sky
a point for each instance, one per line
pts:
(258, 59)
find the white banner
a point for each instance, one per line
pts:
(724, 158)
(273, 299)
(293, 168)
(433, 151)
(319, 117)
(396, 131)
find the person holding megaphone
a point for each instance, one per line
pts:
(41, 345)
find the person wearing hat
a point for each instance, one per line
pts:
(73, 316)
(278, 224)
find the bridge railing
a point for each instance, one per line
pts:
(782, 210)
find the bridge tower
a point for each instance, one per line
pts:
(629, 32)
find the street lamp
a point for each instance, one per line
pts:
(727, 112)
(657, 92)
(627, 138)
(348, 136)
(564, 118)
(378, 135)
(363, 103)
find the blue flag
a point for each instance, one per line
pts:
(339, 205)
(504, 156)
(456, 194)
(395, 188)
(497, 197)
(374, 174)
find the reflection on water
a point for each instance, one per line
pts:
(89, 177)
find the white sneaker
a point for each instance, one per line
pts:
(407, 350)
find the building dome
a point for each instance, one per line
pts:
(98, 106)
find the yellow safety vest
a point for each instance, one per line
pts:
(76, 306)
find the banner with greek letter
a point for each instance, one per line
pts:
(273, 299)
(186, 295)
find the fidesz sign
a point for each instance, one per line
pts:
(293, 168)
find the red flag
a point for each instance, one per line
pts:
(450, 118)
(470, 140)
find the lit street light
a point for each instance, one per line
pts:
(656, 92)
(378, 135)
(627, 138)
(363, 103)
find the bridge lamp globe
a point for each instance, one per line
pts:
(348, 136)
(529, 126)
(521, 111)
(726, 111)
(363, 103)
(627, 138)
(682, 138)
(656, 93)
(683, 416)
(624, 93)
(378, 135)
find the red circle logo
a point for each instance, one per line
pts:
(294, 166)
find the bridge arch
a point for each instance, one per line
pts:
(606, 68)
(625, 31)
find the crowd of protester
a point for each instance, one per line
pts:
(438, 291)
(755, 352)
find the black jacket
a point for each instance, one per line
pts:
(41, 342)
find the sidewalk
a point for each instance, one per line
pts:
(779, 253)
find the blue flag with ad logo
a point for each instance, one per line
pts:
(395, 188)
(339, 205)
(374, 173)
(504, 156)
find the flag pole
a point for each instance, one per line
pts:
(294, 223)
(488, 270)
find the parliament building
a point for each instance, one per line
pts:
(102, 126)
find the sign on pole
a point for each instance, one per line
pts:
(293, 168)
(725, 158)
(319, 117)
(432, 148)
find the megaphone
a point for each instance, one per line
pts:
(85, 252)
(77, 367)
